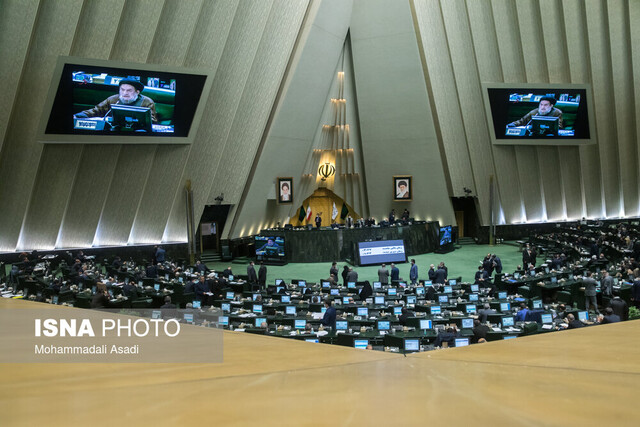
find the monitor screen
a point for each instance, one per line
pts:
(411, 299)
(537, 303)
(583, 315)
(225, 306)
(475, 288)
(231, 277)
(547, 318)
(397, 311)
(507, 321)
(467, 323)
(471, 308)
(428, 283)
(155, 314)
(196, 304)
(223, 320)
(257, 308)
(420, 290)
(448, 289)
(402, 284)
(509, 337)
(377, 285)
(269, 246)
(300, 323)
(315, 340)
(97, 101)
(462, 342)
(326, 284)
(534, 114)
(361, 344)
(443, 299)
(505, 306)
(435, 309)
(290, 309)
(259, 321)
(188, 317)
(363, 311)
(156, 287)
(554, 279)
(379, 300)
(351, 285)
(473, 297)
(426, 324)
(285, 299)
(302, 283)
(341, 325)
(411, 344)
(334, 291)
(445, 235)
(392, 291)
(230, 295)
(255, 297)
(345, 300)
(502, 295)
(381, 251)
(384, 325)
(278, 282)
(453, 282)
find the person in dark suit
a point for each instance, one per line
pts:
(573, 322)
(590, 292)
(383, 275)
(392, 216)
(620, 307)
(609, 317)
(395, 272)
(201, 268)
(487, 264)
(345, 272)
(529, 256)
(635, 292)
(334, 269)
(189, 287)
(606, 284)
(497, 263)
(251, 272)
(226, 273)
(413, 272)
(167, 303)
(484, 312)
(160, 255)
(432, 272)
(479, 331)
(352, 276)
(130, 290)
(151, 271)
(262, 274)
(449, 336)
(329, 318)
(201, 289)
(481, 276)
(318, 220)
(441, 274)
(101, 297)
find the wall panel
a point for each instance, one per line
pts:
(21, 152)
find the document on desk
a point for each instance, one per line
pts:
(547, 326)
(322, 333)
(317, 316)
(496, 329)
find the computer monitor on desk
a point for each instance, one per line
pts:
(426, 324)
(341, 325)
(461, 342)
(507, 321)
(379, 300)
(411, 344)
(544, 126)
(384, 325)
(128, 118)
(361, 344)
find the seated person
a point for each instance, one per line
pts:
(449, 336)
(609, 316)
(405, 315)
(128, 94)
(479, 331)
(546, 107)
(572, 322)
(271, 247)
(329, 318)
(167, 303)
(101, 297)
(522, 313)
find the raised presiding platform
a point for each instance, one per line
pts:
(327, 244)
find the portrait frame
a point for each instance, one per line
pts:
(282, 195)
(407, 196)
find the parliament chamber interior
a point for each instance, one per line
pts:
(349, 212)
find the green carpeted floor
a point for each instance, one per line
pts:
(461, 262)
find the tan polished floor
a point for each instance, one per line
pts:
(585, 377)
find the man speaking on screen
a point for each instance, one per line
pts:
(128, 94)
(546, 107)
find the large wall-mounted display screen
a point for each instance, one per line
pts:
(542, 114)
(269, 247)
(121, 103)
(381, 251)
